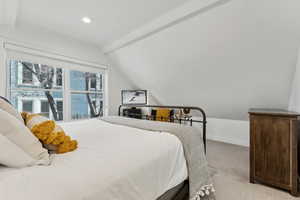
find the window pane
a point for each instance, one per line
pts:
(45, 103)
(45, 108)
(93, 81)
(31, 75)
(86, 105)
(27, 105)
(60, 109)
(59, 77)
(85, 81)
(27, 76)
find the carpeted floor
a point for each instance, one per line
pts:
(232, 178)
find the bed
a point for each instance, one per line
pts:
(113, 161)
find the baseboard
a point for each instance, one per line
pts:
(228, 131)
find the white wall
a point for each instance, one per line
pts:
(226, 59)
(117, 82)
(226, 130)
(294, 102)
(42, 39)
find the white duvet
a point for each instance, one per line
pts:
(112, 163)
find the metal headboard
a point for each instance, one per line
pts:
(1, 97)
(172, 118)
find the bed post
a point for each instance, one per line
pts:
(119, 112)
(204, 135)
(204, 126)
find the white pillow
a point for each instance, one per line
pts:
(10, 109)
(21, 147)
(14, 156)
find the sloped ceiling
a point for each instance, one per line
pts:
(237, 55)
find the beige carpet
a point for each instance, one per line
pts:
(232, 178)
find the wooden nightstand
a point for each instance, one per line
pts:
(274, 148)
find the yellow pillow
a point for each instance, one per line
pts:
(49, 133)
(163, 115)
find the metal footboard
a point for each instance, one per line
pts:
(172, 118)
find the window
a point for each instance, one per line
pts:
(38, 88)
(27, 77)
(59, 77)
(86, 94)
(27, 105)
(93, 81)
(60, 109)
(45, 111)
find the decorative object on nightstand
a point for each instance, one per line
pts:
(134, 97)
(274, 148)
(183, 114)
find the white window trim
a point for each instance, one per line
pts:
(82, 66)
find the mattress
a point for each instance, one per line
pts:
(112, 162)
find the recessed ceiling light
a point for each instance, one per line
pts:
(86, 20)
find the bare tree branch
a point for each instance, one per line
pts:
(29, 68)
(91, 105)
(46, 80)
(38, 72)
(52, 104)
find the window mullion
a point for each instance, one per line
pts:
(105, 93)
(86, 92)
(67, 98)
(36, 89)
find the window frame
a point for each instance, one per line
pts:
(65, 88)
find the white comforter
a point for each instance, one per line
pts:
(112, 163)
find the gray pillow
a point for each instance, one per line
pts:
(6, 106)
(5, 99)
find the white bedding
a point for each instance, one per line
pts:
(112, 163)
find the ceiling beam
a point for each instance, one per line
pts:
(188, 10)
(8, 12)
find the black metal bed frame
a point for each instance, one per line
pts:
(172, 118)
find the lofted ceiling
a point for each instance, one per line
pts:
(226, 59)
(111, 19)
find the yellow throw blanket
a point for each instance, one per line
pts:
(49, 133)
